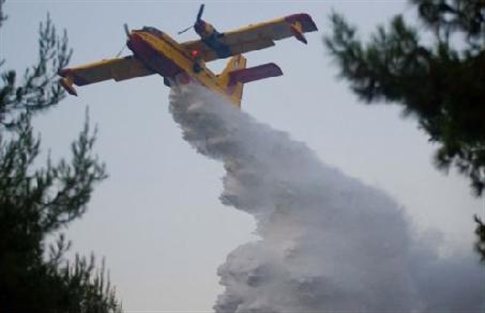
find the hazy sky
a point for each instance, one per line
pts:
(157, 219)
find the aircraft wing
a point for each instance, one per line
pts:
(117, 69)
(257, 36)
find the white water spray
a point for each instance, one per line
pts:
(328, 242)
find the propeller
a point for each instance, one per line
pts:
(201, 10)
(183, 31)
(198, 19)
(127, 32)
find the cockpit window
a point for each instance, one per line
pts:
(153, 31)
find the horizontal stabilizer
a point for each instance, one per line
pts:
(254, 73)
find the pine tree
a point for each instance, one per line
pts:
(37, 203)
(441, 84)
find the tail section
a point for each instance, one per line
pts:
(233, 90)
(235, 75)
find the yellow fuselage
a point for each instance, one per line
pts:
(165, 56)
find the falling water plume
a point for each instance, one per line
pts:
(327, 242)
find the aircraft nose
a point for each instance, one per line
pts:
(133, 41)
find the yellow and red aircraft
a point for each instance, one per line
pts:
(154, 52)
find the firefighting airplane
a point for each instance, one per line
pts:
(154, 52)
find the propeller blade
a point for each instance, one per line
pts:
(201, 10)
(127, 30)
(183, 31)
(199, 16)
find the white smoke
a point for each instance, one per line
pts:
(328, 243)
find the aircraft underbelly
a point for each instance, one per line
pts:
(153, 58)
(168, 61)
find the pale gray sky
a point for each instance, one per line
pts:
(157, 219)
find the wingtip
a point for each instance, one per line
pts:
(298, 34)
(308, 25)
(67, 84)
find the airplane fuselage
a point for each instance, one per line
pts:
(162, 54)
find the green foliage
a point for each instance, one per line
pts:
(37, 203)
(39, 89)
(441, 82)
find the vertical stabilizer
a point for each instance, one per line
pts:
(233, 89)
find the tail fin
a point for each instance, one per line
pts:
(234, 91)
(235, 75)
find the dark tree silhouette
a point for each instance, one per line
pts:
(37, 203)
(480, 243)
(441, 84)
